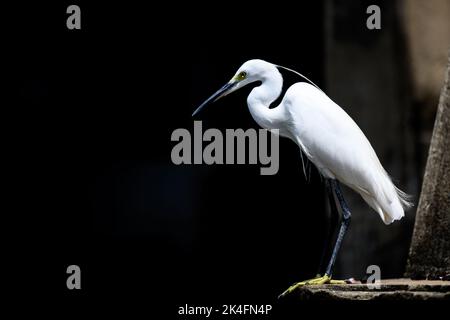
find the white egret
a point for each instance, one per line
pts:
(328, 137)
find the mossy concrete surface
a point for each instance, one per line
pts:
(389, 290)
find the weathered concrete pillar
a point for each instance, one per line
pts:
(429, 255)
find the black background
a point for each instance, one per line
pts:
(97, 109)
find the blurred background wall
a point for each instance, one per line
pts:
(426, 32)
(389, 81)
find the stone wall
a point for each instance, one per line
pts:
(430, 247)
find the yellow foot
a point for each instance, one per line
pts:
(326, 279)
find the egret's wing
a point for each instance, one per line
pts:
(339, 149)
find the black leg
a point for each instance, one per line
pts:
(331, 223)
(346, 217)
(336, 196)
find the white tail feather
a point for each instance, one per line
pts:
(389, 201)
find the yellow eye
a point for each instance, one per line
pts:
(242, 75)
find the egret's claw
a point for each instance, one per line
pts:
(326, 279)
(337, 281)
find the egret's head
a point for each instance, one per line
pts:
(250, 71)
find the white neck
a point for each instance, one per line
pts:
(260, 99)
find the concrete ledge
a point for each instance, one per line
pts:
(391, 290)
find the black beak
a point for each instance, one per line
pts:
(216, 96)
